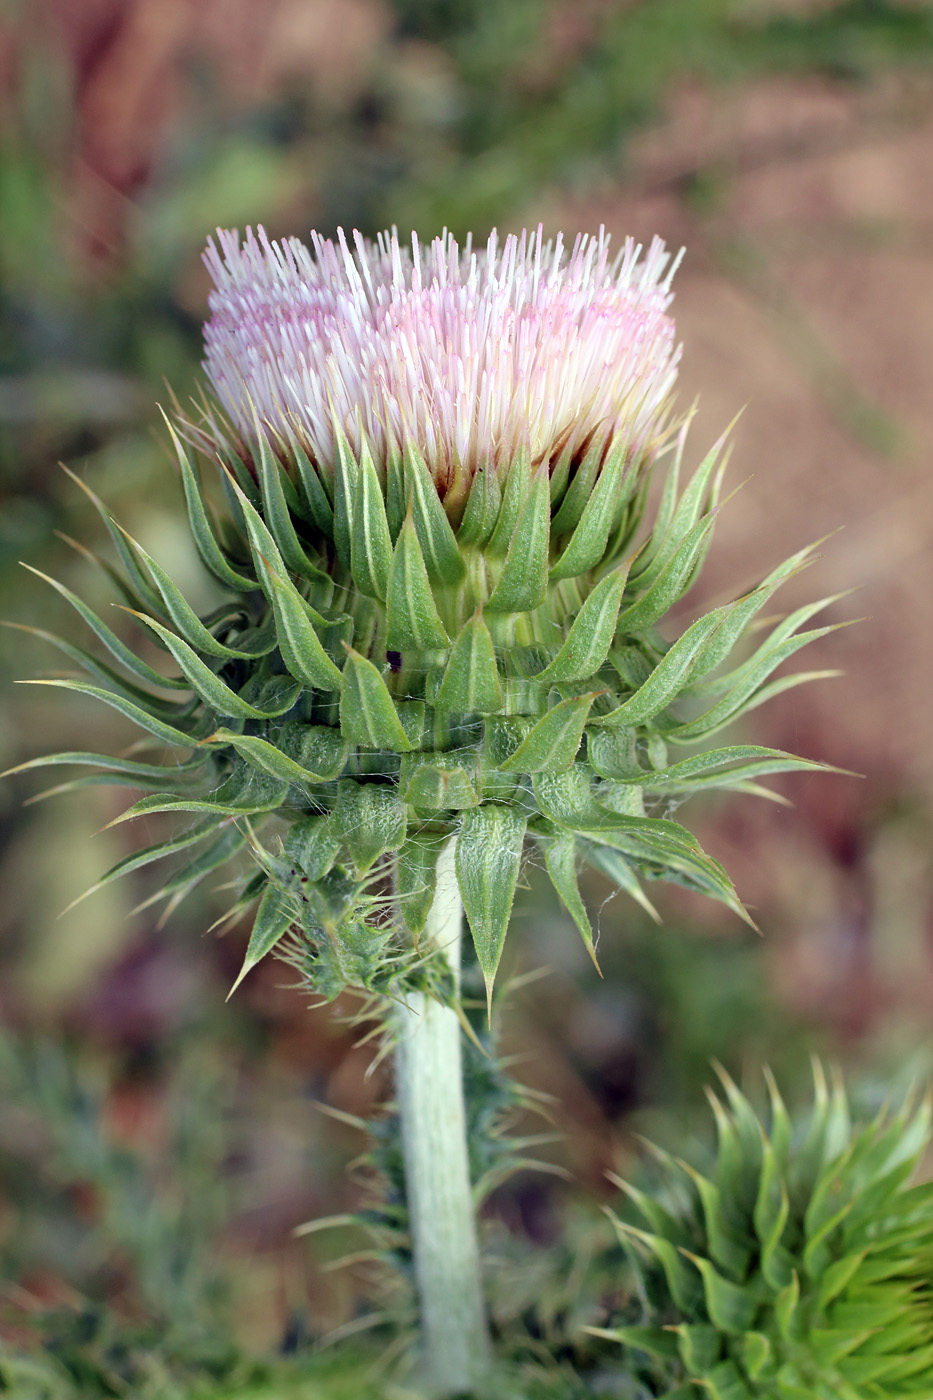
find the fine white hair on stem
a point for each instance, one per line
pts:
(470, 356)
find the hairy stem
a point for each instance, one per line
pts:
(429, 1079)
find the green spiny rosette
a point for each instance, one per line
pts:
(443, 600)
(800, 1267)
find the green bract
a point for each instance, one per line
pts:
(382, 676)
(799, 1268)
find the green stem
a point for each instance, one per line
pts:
(429, 1079)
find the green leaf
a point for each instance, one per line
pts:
(275, 916)
(212, 690)
(440, 782)
(471, 678)
(346, 473)
(246, 792)
(482, 508)
(553, 743)
(522, 585)
(182, 614)
(150, 723)
(617, 869)
(748, 687)
(575, 497)
(587, 544)
(319, 509)
(517, 478)
(415, 880)
(137, 579)
(731, 1308)
(677, 518)
(205, 537)
(312, 846)
(722, 767)
(488, 856)
(100, 671)
(668, 678)
(435, 533)
(127, 658)
(367, 714)
(669, 586)
(299, 644)
(590, 637)
(271, 758)
(369, 819)
(560, 858)
(276, 513)
(370, 542)
(413, 619)
(126, 767)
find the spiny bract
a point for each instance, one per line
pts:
(799, 1268)
(442, 600)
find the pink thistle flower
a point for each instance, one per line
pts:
(470, 356)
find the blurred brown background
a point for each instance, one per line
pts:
(788, 144)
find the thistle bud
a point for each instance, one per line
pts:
(800, 1265)
(443, 596)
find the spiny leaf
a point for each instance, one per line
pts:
(274, 917)
(370, 542)
(144, 720)
(488, 857)
(127, 767)
(669, 586)
(137, 579)
(246, 792)
(440, 782)
(471, 678)
(617, 869)
(668, 678)
(482, 508)
(212, 690)
(750, 680)
(587, 544)
(590, 637)
(205, 537)
(553, 743)
(367, 714)
(522, 585)
(182, 614)
(435, 533)
(319, 509)
(560, 858)
(517, 476)
(413, 619)
(415, 879)
(271, 758)
(301, 648)
(276, 513)
(100, 671)
(346, 472)
(369, 819)
(127, 658)
(721, 767)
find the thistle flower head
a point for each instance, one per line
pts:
(799, 1268)
(443, 595)
(470, 355)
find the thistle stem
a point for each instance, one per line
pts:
(429, 1082)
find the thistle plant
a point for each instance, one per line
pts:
(799, 1267)
(445, 578)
